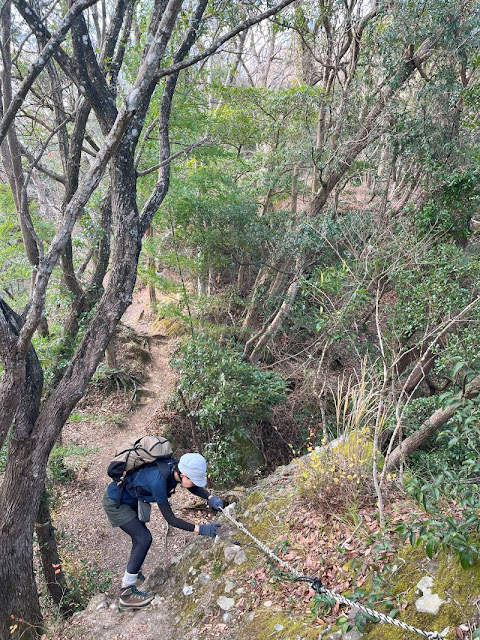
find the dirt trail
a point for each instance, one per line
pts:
(80, 520)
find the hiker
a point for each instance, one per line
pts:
(154, 484)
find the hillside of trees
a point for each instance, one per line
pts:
(297, 184)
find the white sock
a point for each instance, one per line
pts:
(129, 579)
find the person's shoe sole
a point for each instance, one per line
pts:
(132, 607)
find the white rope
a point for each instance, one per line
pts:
(318, 586)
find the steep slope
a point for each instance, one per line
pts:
(228, 588)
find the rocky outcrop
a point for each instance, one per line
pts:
(211, 589)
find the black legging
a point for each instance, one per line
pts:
(141, 541)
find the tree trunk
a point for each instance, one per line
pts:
(19, 502)
(436, 420)
(152, 296)
(254, 353)
(111, 355)
(256, 298)
(10, 149)
(28, 452)
(243, 276)
(211, 281)
(51, 564)
(294, 191)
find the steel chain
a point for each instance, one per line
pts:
(318, 586)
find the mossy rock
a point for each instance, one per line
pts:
(169, 326)
(266, 623)
(457, 586)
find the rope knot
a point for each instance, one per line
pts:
(317, 585)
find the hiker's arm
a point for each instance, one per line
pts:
(173, 521)
(200, 492)
(213, 501)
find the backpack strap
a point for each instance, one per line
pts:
(120, 485)
(166, 468)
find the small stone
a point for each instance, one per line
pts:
(240, 557)
(187, 590)
(98, 602)
(225, 603)
(425, 585)
(429, 603)
(230, 552)
(267, 603)
(240, 591)
(229, 586)
(278, 627)
(226, 617)
(203, 578)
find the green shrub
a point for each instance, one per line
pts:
(445, 481)
(448, 211)
(84, 580)
(64, 460)
(333, 479)
(223, 400)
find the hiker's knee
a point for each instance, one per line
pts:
(143, 538)
(148, 539)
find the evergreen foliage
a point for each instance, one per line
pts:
(308, 193)
(223, 401)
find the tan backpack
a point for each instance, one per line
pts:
(134, 454)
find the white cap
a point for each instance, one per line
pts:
(194, 466)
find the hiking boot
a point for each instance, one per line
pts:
(132, 598)
(140, 578)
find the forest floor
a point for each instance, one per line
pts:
(92, 550)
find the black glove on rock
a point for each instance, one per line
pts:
(209, 529)
(215, 503)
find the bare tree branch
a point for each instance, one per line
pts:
(47, 52)
(183, 152)
(246, 24)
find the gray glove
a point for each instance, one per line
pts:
(215, 503)
(209, 529)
